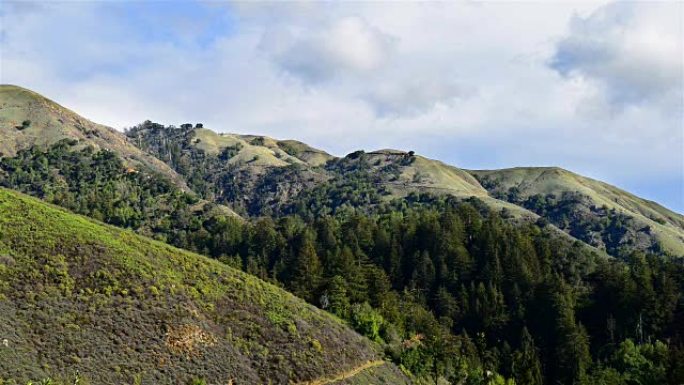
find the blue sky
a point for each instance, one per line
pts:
(594, 87)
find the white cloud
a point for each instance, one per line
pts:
(415, 95)
(347, 45)
(633, 50)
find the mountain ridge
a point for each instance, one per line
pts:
(255, 175)
(47, 122)
(528, 185)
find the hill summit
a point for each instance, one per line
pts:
(29, 119)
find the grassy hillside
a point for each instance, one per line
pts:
(258, 150)
(257, 175)
(28, 119)
(306, 153)
(399, 171)
(248, 173)
(81, 297)
(405, 172)
(569, 200)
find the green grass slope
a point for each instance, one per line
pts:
(304, 152)
(77, 296)
(647, 222)
(407, 172)
(28, 119)
(258, 150)
(398, 173)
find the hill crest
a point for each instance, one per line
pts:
(30, 119)
(526, 186)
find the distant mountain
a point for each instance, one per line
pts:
(258, 175)
(81, 298)
(592, 211)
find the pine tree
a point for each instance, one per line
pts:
(526, 365)
(337, 297)
(307, 270)
(572, 344)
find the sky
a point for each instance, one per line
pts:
(594, 87)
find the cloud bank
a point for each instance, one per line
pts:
(347, 46)
(593, 87)
(632, 50)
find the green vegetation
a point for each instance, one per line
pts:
(253, 175)
(452, 291)
(25, 124)
(80, 297)
(447, 287)
(97, 184)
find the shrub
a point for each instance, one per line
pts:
(24, 124)
(258, 141)
(367, 321)
(356, 154)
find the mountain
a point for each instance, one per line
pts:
(29, 119)
(592, 211)
(81, 297)
(257, 175)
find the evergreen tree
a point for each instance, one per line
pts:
(337, 297)
(306, 270)
(526, 365)
(572, 346)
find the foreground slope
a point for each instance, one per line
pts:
(593, 211)
(28, 119)
(78, 296)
